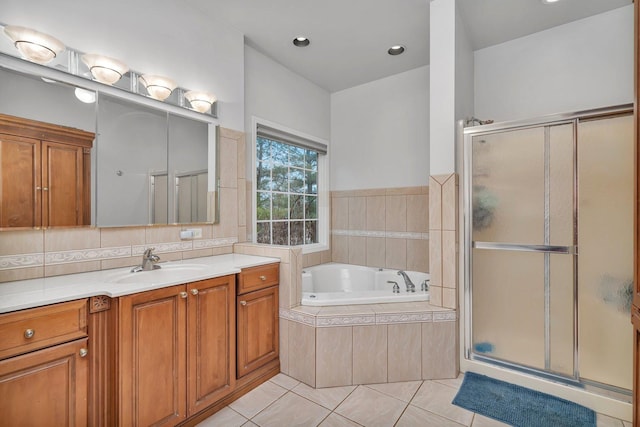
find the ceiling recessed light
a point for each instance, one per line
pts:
(301, 41)
(395, 50)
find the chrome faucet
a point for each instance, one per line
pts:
(149, 260)
(407, 281)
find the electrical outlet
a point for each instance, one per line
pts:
(196, 233)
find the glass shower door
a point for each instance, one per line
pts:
(522, 259)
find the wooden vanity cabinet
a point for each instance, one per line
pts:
(44, 366)
(177, 351)
(257, 311)
(45, 175)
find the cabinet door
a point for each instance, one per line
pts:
(19, 181)
(635, 318)
(47, 387)
(152, 357)
(257, 329)
(62, 191)
(210, 341)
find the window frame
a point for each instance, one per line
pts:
(322, 182)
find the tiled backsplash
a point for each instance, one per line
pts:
(381, 227)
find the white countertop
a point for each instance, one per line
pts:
(23, 294)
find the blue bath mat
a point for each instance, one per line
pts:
(519, 406)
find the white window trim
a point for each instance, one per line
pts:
(323, 185)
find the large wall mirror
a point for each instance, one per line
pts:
(146, 164)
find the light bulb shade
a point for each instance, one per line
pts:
(86, 96)
(34, 45)
(200, 101)
(159, 87)
(104, 69)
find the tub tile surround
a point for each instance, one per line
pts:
(369, 343)
(443, 240)
(29, 254)
(381, 227)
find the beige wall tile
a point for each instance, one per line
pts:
(228, 226)
(21, 242)
(396, 253)
(418, 213)
(76, 267)
(242, 157)
(357, 250)
(439, 350)
(285, 296)
(340, 248)
(66, 239)
(228, 149)
(309, 260)
(302, 350)
(376, 252)
(357, 213)
(325, 256)
(125, 236)
(418, 255)
(339, 213)
(162, 234)
(21, 274)
(242, 203)
(435, 257)
(450, 203)
(170, 256)
(197, 253)
(369, 354)
(249, 207)
(435, 204)
(396, 213)
(406, 191)
(223, 250)
(334, 357)
(284, 345)
(107, 264)
(404, 352)
(435, 295)
(376, 213)
(242, 234)
(449, 260)
(449, 298)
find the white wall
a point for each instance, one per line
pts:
(166, 37)
(581, 65)
(380, 133)
(276, 94)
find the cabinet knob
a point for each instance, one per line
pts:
(263, 278)
(83, 352)
(183, 294)
(45, 188)
(243, 303)
(194, 292)
(29, 333)
(38, 188)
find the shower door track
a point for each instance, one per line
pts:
(546, 248)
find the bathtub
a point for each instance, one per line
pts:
(346, 284)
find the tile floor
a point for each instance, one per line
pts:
(285, 402)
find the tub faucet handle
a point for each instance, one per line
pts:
(396, 288)
(425, 285)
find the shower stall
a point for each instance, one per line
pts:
(548, 240)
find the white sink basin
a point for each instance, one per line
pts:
(165, 274)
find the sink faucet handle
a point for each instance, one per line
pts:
(148, 252)
(396, 288)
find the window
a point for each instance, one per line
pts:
(287, 196)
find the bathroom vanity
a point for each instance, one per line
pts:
(137, 349)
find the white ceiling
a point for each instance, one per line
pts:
(350, 38)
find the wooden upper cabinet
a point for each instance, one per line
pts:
(45, 174)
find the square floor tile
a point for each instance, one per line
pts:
(435, 397)
(414, 416)
(335, 420)
(225, 417)
(327, 397)
(482, 421)
(291, 410)
(454, 382)
(606, 421)
(257, 399)
(403, 391)
(285, 381)
(371, 408)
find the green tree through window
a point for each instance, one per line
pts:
(287, 193)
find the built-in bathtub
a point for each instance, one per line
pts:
(346, 284)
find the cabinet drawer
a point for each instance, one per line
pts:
(255, 278)
(35, 328)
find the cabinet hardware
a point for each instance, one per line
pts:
(243, 303)
(263, 278)
(29, 333)
(38, 188)
(83, 352)
(183, 294)
(45, 188)
(194, 292)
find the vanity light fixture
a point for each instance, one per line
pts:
(200, 101)
(395, 50)
(104, 69)
(159, 87)
(34, 45)
(301, 41)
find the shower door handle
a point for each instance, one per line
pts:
(569, 250)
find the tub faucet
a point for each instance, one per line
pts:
(407, 281)
(149, 260)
